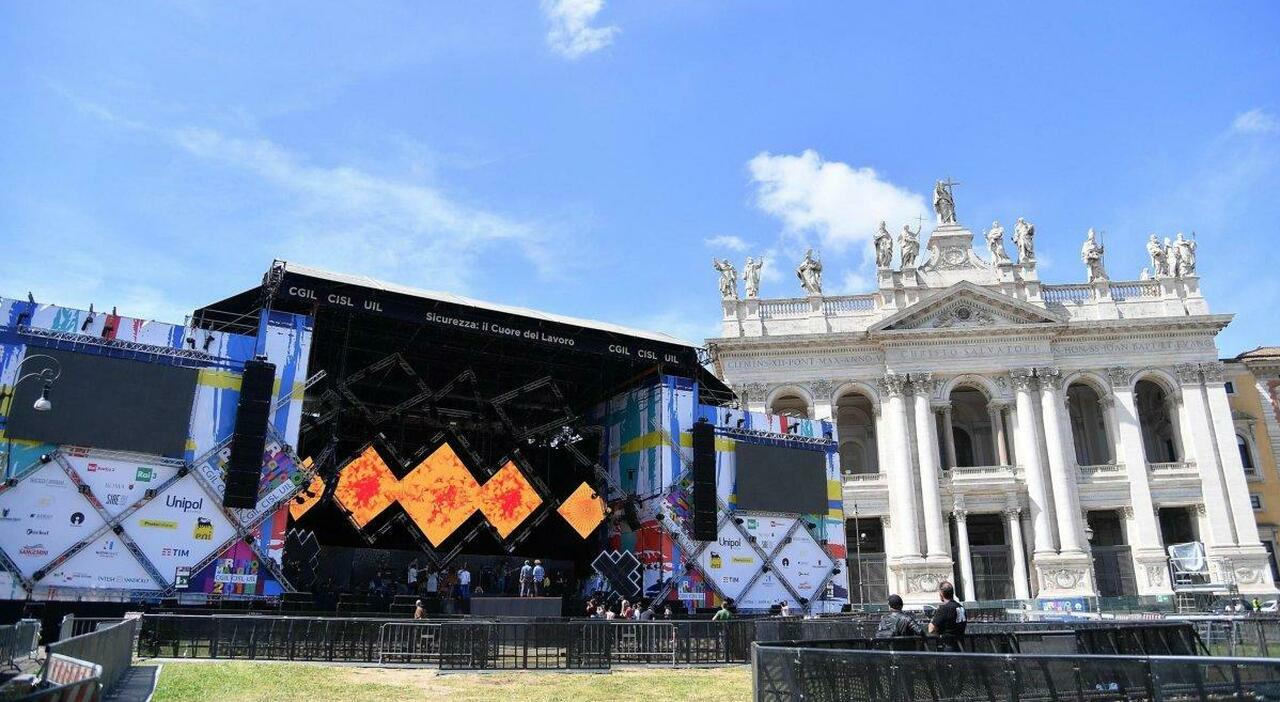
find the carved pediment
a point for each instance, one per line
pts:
(965, 305)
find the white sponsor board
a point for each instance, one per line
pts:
(803, 563)
(105, 563)
(729, 562)
(768, 531)
(180, 527)
(119, 484)
(43, 516)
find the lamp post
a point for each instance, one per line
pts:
(42, 404)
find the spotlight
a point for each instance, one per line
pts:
(84, 490)
(741, 422)
(43, 404)
(31, 298)
(208, 341)
(118, 529)
(45, 458)
(191, 342)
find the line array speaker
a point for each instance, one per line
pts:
(244, 467)
(704, 481)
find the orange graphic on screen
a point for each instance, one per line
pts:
(308, 498)
(583, 510)
(366, 486)
(508, 499)
(439, 494)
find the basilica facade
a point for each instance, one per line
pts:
(1020, 439)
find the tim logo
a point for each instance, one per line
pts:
(167, 552)
(203, 530)
(184, 504)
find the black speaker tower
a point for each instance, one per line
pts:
(704, 481)
(244, 468)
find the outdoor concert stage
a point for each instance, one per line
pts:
(403, 426)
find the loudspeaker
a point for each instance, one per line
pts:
(244, 467)
(704, 481)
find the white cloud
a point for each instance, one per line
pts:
(346, 218)
(726, 241)
(855, 283)
(572, 35)
(1256, 121)
(838, 203)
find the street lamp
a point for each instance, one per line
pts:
(48, 374)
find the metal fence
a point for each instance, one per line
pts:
(72, 625)
(824, 674)
(18, 641)
(110, 646)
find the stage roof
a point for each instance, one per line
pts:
(304, 289)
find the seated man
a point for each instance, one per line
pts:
(897, 624)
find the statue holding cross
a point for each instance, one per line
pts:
(943, 201)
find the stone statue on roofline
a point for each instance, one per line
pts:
(810, 273)
(1091, 255)
(1024, 235)
(944, 204)
(884, 246)
(728, 278)
(1186, 255)
(995, 243)
(1159, 261)
(909, 245)
(751, 276)
(1171, 256)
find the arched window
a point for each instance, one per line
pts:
(855, 419)
(972, 434)
(1088, 425)
(790, 405)
(1155, 416)
(1246, 455)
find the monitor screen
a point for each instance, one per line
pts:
(107, 403)
(781, 479)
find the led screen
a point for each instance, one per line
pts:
(439, 494)
(780, 479)
(366, 487)
(106, 403)
(583, 510)
(508, 499)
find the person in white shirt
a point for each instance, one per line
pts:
(433, 582)
(412, 577)
(464, 582)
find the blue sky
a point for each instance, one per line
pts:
(590, 157)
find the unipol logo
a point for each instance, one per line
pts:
(184, 504)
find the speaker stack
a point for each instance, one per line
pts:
(704, 481)
(244, 468)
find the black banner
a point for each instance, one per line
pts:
(303, 289)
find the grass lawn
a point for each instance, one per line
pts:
(278, 682)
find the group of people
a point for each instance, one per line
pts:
(528, 580)
(625, 609)
(948, 622)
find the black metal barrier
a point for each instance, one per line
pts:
(595, 644)
(835, 675)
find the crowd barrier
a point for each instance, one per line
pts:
(67, 679)
(594, 644)
(71, 625)
(18, 641)
(109, 646)
(783, 672)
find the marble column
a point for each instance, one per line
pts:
(1224, 431)
(1142, 521)
(1027, 441)
(894, 388)
(927, 450)
(1062, 470)
(950, 435)
(966, 556)
(996, 410)
(1198, 438)
(1020, 588)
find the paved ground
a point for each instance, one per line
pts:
(137, 685)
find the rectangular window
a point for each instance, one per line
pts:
(1256, 501)
(1231, 388)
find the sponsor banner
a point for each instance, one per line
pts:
(803, 564)
(281, 479)
(729, 562)
(43, 516)
(768, 531)
(180, 527)
(118, 484)
(105, 563)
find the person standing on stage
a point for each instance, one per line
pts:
(411, 578)
(433, 582)
(464, 583)
(526, 578)
(539, 575)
